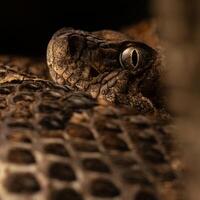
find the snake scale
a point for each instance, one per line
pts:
(92, 129)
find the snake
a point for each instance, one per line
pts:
(89, 124)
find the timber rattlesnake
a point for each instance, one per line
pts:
(57, 142)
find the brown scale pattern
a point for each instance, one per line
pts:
(33, 66)
(57, 144)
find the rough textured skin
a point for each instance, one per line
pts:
(59, 143)
(90, 62)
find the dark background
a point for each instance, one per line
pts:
(27, 25)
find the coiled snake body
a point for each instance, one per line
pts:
(91, 133)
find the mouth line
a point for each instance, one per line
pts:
(100, 86)
(110, 82)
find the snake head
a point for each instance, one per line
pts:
(106, 64)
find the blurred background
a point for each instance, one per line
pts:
(27, 25)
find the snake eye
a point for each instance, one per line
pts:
(130, 58)
(137, 58)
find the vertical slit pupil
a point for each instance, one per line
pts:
(134, 58)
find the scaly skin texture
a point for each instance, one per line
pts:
(91, 62)
(58, 143)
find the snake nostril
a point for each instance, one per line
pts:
(93, 72)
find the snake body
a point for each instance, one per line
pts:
(61, 139)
